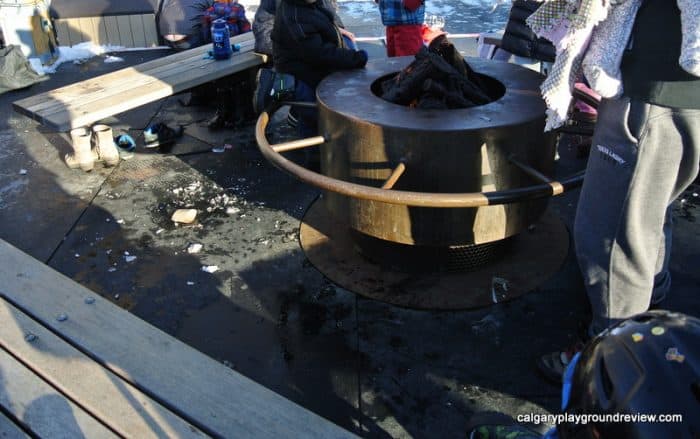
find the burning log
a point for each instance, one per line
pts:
(439, 78)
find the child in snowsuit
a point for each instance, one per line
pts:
(234, 94)
(232, 12)
(403, 20)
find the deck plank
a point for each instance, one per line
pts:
(208, 394)
(42, 409)
(117, 404)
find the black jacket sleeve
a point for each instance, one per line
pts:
(315, 51)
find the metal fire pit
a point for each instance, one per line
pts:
(429, 182)
(440, 151)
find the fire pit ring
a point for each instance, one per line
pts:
(380, 164)
(370, 150)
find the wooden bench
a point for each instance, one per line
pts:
(488, 43)
(84, 103)
(131, 30)
(75, 365)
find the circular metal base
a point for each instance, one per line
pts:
(532, 257)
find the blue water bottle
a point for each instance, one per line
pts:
(220, 37)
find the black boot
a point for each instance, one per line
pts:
(224, 109)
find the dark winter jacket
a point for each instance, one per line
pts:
(519, 40)
(650, 70)
(307, 43)
(264, 21)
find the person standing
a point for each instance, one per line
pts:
(404, 23)
(645, 153)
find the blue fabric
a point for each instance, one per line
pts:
(308, 117)
(350, 44)
(393, 13)
(126, 142)
(551, 434)
(568, 378)
(232, 13)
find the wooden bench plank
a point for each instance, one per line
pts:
(213, 397)
(126, 38)
(86, 28)
(10, 430)
(245, 40)
(112, 28)
(97, 109)
(94, 89)
(150, 67)
(137, 33)
(116, 403)
(62, 33)
(87, 91)
(40, 408)
(93, 24)
(120, 30)
(75, 35)
(493, 38)
(101, 37)
(150, 32)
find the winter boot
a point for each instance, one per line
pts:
(104, 144)
(262, 96)
(126, 145)
(159, 135)
(223, 118)
(83, 156)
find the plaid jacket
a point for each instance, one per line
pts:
(394, 13)
(232, 12)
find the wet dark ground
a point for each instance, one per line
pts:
(373, 368)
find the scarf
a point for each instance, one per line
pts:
(590, 38)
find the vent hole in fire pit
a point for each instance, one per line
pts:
(424, 258)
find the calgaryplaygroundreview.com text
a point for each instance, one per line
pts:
(586, 418)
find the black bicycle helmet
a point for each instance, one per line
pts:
(646, 365)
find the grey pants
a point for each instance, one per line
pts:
(642, 157)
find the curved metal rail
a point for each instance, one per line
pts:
(407, 198)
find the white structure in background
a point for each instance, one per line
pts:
(26, 23)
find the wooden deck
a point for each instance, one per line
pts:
(74, 365)
(86, 102)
